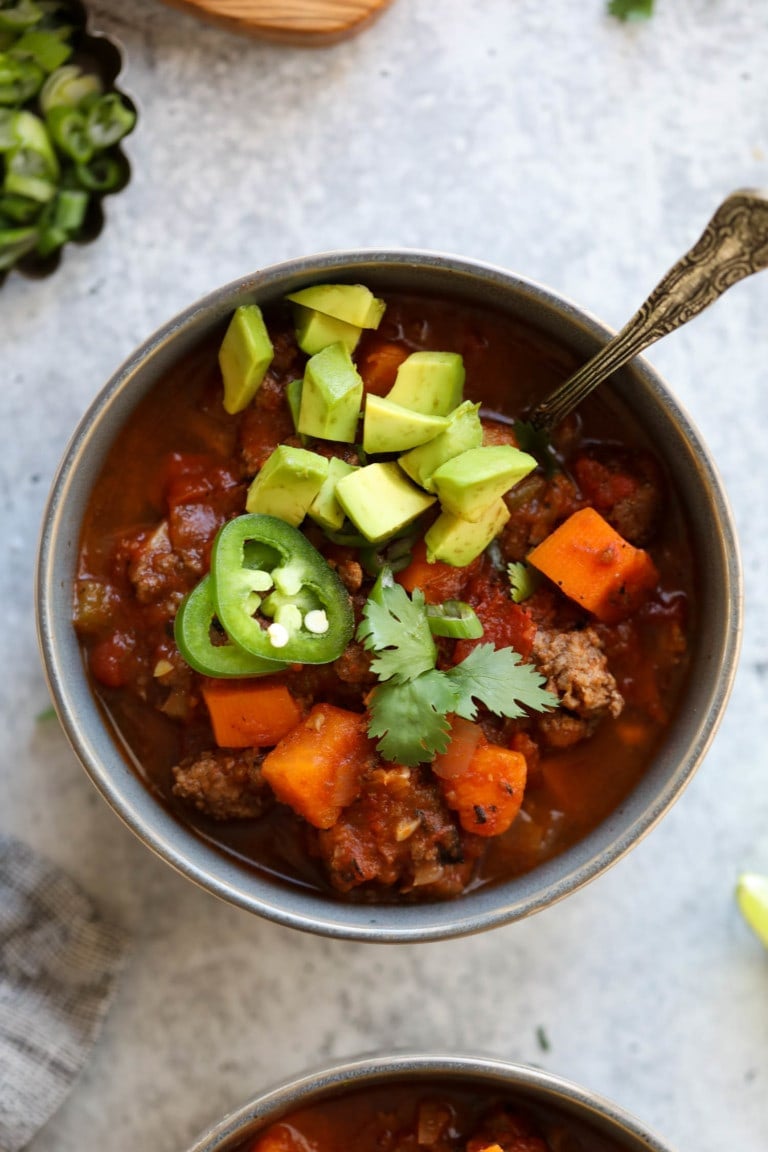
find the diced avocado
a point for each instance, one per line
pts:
(331, 396)
(293, 396)
(353, 303)
(287, 484)
(464, 431)
(315, 331)
(468, 484)
(431, 382)
(458, 542)
(388, 427)
(245, 354)
(380, 500)
(325, 509)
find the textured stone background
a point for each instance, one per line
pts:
(576, 151)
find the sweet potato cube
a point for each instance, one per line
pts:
(595, 566)
(317, 768)
(249, 713)
(488, 795)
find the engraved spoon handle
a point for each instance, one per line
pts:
(733, 245)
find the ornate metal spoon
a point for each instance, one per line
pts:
(734, 245)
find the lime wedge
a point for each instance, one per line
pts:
(752, 898)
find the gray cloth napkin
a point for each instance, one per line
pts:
(58, 965)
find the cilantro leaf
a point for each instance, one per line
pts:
(395, 627)
(523, 580)
(495, 678)
(631, 9)
(411, 717)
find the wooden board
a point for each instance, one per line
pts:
(309, 22)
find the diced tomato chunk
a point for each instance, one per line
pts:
(438, 581)
(110, 659)
(505, 624)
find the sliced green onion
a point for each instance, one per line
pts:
(18, 15)
(454, 619)
(523, 580)
(61, 219)
(49, 50)
(7, 135)
(69, 130)
(347, 536)
(68, 85)
(15, 243)
(395, 553)
(33, 187)
(103, 174)
(20, 80)
(32, 136)
(69, 209)
(108, 120)
(20, 209)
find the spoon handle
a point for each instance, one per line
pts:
(733, 245)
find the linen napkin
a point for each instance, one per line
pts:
(59, 960)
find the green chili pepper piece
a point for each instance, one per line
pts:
(192, 632)
(108, 120)
(310, 609)
(17, 15)
(48, 49)
(15, 243)
(69, 130)
(68, 86)
(20, 80)
(102, 174)
(454, 619)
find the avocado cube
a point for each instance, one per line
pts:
(458, 542)
(315, 331)
(464, 431)
(287, 484)
(352, 303)
(331, 396)
(429, 382)
(388, 427)
(325, 509)
(380, 500)
(245, 355)
(470, 483)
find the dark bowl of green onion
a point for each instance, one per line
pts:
(62, 121)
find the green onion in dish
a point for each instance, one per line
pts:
(60, 133)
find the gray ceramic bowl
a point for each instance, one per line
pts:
(521, 1084)
(715, 645)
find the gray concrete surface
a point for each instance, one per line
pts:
(576, 151)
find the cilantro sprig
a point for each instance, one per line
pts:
(410, 707)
